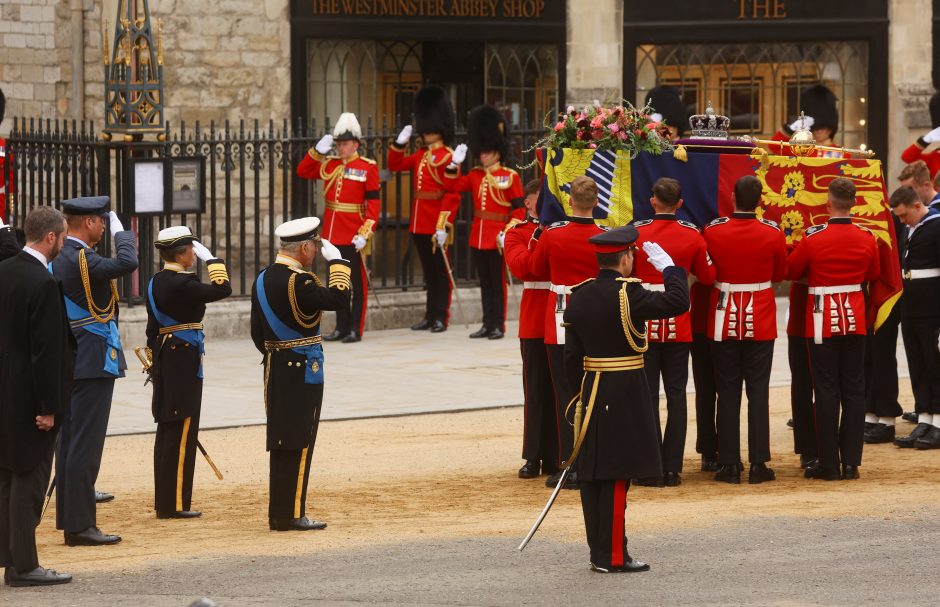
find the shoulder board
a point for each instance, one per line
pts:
(816, 229)
(629, 279)
(581, 284)
(557, 224)
(520, 224)
(688, 224)
(717, 222)
(369, 160)
(642, 222)
(770, 223)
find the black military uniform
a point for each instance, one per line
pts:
(176, 304)
(100, 360)
(9, 247)
(293, 300)
(618, 438)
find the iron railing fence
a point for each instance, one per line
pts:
(251, 185)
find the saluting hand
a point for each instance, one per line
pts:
(45, 422)
(329, 250)
(325, 144)
(658, 258)
(459, 154)
(931, 137)
(201, 251)
(404, 136)
(115, 223)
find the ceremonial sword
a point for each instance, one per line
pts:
(548, 506)
(368, 274)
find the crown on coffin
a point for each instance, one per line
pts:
(709, 125)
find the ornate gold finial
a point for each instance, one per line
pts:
(105, 47)
(802, 142)
(160, 41)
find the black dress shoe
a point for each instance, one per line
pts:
(931, 440)
(808, 461)
(849, 473)
(101, 497)
(530, 469)
(424, 325)
(650, 481)
(672, 479)
(879, 433)
(90, 537)
(334, 336)
(910, 416)
(907, 442)
(438, 327)
(496, 334)
(179, 514)
(729, 473)
(570, 483)
(869, 426)
(629, 566)
(820, 472)
(36, 577)
(709, 465)
(295, 524)
(760, 473)
(352, 338)
(481, 332)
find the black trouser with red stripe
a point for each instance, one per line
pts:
(540, 433)
(801, 397)
(174, 464)
(563, 395)
(706, 395)
(604, 504)
(491, 270)
(671, 360)
(744, 362)
(435, 278)
(839, 379)
(353, 318)
(881, 365)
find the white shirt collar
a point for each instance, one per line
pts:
(42, 258)
(79, 241)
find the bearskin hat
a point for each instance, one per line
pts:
(820, 103)
(934, 110)
(667, 101)
(433, 113)
(487, 131)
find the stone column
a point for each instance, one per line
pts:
(595, 51)
(909, 79)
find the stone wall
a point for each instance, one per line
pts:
(595, 51)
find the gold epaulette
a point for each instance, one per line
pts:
(340, 276)
(369, 160)
(629, 279)
(217, 273)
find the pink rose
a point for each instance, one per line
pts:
(622, 135)
(569, 109)
(613, 127)
(592, 146)
(597, 122)
(559, 126)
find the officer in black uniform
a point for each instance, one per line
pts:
(89, 283)
(176, 304)
(286, 304)
(616, 435)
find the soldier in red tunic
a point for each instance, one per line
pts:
(540, 431)
(433, 206)
(670, 338)
(351, 185)
(562, 252)
(6, 161)
(749, 254)
(918, 150)
(836, 258)
(496, 190)
(820, 116)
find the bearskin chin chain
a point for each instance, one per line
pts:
(629, 331)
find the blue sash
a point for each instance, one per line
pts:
(193, 337)
(313, 370)
(80, 318)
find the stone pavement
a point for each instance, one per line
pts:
(390, 372)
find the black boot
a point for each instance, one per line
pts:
(352, 338)
(530, 469)
(820, 472)
(481, 332)
(730, 473)
(931, 440)
(424, 325)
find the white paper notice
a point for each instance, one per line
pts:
(148, 187)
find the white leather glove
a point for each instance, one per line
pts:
(806, 122)
(116, 225)
(329, 250)
(658, 258)
(501, 240)
(201, 251)
(359, 242)
(404, 136)
(325, 144)
(459, 154)
(933, 136)
(441, 237)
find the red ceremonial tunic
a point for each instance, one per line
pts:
(564, 254)
(684, 243)
(914, 153)
(352, 193)
(494, 190)
(840, 256)
(535, 290)
(427, 168)
(749, 254)
(6, 160)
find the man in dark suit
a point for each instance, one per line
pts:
(36, 357)
(89, 284)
